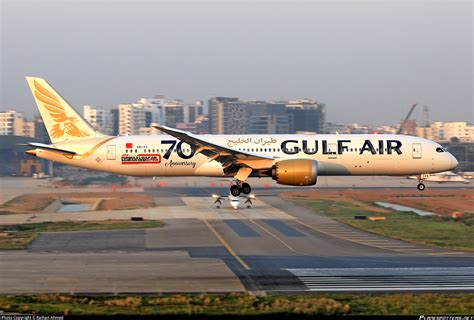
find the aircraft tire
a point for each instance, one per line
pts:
(235, 190)
(421, 186)
(246, 189)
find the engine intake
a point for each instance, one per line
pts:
(297, 172)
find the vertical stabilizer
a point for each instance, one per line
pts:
(62, 122)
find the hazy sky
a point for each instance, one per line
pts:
(368, 61)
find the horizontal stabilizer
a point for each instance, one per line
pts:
(47, 147)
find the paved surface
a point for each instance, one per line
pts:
(225, 255)
(274, 247)
(383, 279)
(113, 272)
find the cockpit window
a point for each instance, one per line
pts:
(440, 149)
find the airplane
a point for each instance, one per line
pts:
(289, 159)
(233, 200)
(442, 177)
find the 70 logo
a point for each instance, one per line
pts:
(179, 149)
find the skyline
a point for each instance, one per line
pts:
(377, 54)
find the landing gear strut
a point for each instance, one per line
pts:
(238, 188)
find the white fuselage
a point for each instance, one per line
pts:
(163, 155)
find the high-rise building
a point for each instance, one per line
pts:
(115, 120)
(174, 112)
(154, 111)
(268, 118)
(131, 118)
(233, 116)
(7, 122)
(192, 111)
(100, 118)
(14, 123)
(200, 108)
(228, 116)
(306, 116)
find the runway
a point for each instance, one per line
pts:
(276, 247)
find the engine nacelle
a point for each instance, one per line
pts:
(297, 172)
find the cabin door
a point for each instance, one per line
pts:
(416, 149)
(111, 152)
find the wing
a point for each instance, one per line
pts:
(51, 103)
(231, 159)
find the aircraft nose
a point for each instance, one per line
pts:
(454, 162)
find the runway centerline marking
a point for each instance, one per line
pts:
(226, 245)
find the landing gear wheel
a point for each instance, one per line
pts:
(421, 186)
(235, 190)
(246, 189)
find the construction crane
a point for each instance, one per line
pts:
(406, 118)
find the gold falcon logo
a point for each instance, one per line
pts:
(64, 124)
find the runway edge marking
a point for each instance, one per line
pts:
(226, 245)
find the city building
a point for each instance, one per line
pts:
(150, 130)
(114, 114)
(174, 112)
(14, 123)
(228, 116)
(202, 124)
(131, 118)
(40, 129)
(100, 118)
(234, 116)
(460, 130)
(23, 127)
(447, 131)
(306, 115)
(154, 109)
(7, 122)
(268, 118)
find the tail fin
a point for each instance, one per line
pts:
(61, 120)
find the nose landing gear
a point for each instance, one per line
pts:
(421, 186)
(239, 187)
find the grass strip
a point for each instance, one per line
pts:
(244, 305)
(437, 231)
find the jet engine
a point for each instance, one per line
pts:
(297, 172)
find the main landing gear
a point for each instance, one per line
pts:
(239, 187)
